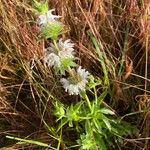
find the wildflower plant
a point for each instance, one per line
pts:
(96, 124)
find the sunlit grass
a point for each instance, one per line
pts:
(111, 41)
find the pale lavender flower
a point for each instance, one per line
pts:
(53, 57)
(48, 17)
(82, 73)
(66, 49)
(72, 89)
(79, 85)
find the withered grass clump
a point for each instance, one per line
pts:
(122, 31)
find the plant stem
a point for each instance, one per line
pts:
(56, 46)
(87, 100)
(71, 72)
(95, 93)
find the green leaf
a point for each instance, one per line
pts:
(102, 96)
(86, 142)
(98, 126)
(94, 82)
(88, 127)
(100, 142)
(107, 123)
(59, 110)
(41, 8)
(52, 30)
(77, 106)
(63, 122)
(65, 64)
(106, 111)
(72, 114)
(29, 141)
(102, 57)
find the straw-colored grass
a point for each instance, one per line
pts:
(122, 29)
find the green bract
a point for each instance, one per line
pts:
(65, 64)
(59, 110)
(41, 8)
(86, 142)
(52, 30)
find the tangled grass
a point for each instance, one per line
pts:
(26, 96)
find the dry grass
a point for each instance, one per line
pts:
(122, 29)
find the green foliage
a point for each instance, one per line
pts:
(52, 30)
(59, 110)
(41, 8)
(69, 115)
(65, 64)
(102, 57)
(86, 142)
(93, 83)
(73, 113)
(96, 125)
(30, 142)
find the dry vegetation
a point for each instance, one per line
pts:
(122, 27)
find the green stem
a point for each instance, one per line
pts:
(87, 100)
(95, 93)
(59, 142)
(71, 72)
(56, 46)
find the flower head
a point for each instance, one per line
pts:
(75, 86)
(66, 49)
(48, 17)
(55, 57)
(52, 60)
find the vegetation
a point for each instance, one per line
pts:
(74, 74)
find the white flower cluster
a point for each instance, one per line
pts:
(75, 89)
(67, 50)
(54, 58)
(48, 17)
(62, 52)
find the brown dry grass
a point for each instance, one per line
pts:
(122, 28)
